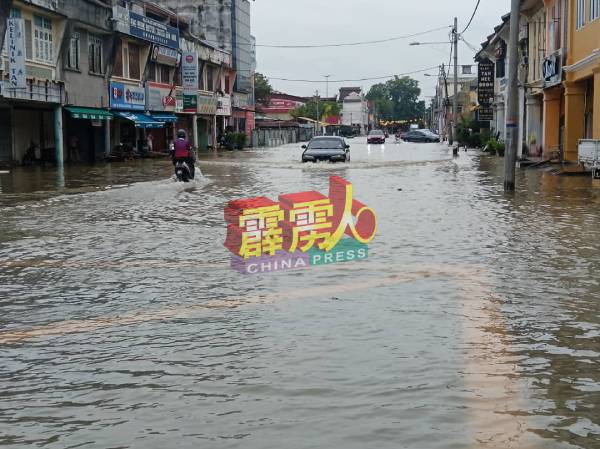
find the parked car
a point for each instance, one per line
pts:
(432, 134)
(326, 148)
(420, 136)
(376, 136)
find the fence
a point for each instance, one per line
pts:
(273, 137)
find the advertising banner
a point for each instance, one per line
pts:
(16, 53)
(189, 77)
(165, 55)
(159, 98)
(123, 96)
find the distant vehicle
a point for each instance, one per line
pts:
(326, 148)
(432, 134)
(376, 136)
(387, 135)
(420, 136)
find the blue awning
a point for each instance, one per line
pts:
(164, 117)
(141, 120)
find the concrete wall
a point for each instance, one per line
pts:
(84, 88)
(209, 19)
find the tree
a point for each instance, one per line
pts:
(262, 89)
(397, 99)
(309, 110)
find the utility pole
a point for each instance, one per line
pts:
(455, 99)
(446, 105)
(512, 119)
(318, 119)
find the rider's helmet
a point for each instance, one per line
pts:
(181, 134)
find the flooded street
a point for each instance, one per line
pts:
(474, 323)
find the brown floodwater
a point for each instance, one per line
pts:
(474, 323)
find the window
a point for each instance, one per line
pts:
(42, 39)
(152, 71)
(594, 10)
(580, 13)
(134, 62)
(74, 49)
(209, 79)
(165, 74)
(466, 70)
(95, 54)
(118, 67)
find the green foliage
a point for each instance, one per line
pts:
(465, 133)
(397, 99)
(240, 140)
(494, 146)
(229, 141)
(309, 110)
(262, 89)
(235, 141)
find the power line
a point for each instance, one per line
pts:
(472, 17)
(353, 44)
(353, 80)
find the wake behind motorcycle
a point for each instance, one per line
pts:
(183, 173)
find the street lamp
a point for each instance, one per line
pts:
(326, 85)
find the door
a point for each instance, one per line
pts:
(5, 137)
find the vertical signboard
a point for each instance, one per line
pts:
(485, 86)
(16, 53)
(189, 77)
(485, 90)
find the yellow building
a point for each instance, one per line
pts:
(582, 73)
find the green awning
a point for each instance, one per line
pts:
(89, 113)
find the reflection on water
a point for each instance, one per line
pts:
(475, 322)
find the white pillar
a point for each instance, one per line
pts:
(58, 136)
(521, 136)
(534, 124)
(195, 130)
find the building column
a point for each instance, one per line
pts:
(522, 123)
(551, 127)
(596, 111)
(500, 120)
(195, 130)
(574, 118)
(107, 138)
(534, 125)
(58, 136)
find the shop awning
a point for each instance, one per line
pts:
(164, 117)
(89, 113)
(141, 120)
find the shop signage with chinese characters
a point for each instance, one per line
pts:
(485, 86)
(123, 96)
(300, 230)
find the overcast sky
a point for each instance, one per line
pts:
(307, 22)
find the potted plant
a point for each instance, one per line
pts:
(240, 141)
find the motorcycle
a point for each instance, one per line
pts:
(183, 172)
